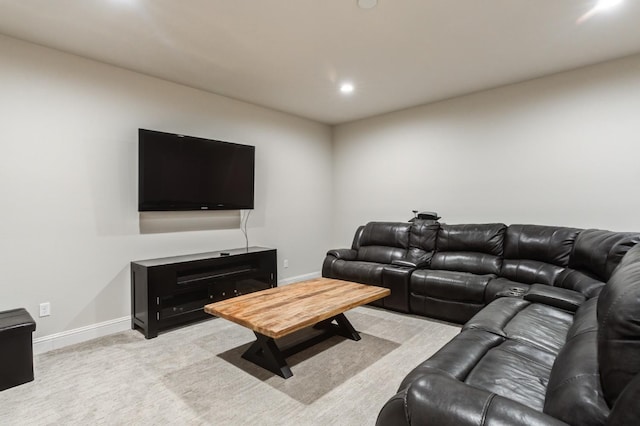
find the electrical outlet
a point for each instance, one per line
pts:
(45, 309)
(285, 263)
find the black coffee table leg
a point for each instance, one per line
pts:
(265, 353)
(343, 327)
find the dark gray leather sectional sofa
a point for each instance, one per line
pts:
(552, 333)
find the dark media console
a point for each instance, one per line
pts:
(172, 291)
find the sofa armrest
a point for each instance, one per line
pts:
(441, 400)
(334, 257)
(344, 254)
(414, 262)
(396, 278)
(562, 298)
(404, 263)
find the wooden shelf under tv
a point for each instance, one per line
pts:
(172, 291)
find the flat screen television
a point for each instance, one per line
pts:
(177, 172)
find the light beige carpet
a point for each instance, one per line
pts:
(195, 376)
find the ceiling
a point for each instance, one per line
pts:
(292, 55)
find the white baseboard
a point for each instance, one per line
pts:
(298, 278)
(79, 335)
(82, 334)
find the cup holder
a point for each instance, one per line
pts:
(511, 292)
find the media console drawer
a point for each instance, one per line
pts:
(172, 291)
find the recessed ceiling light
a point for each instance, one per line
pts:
(346, 88)
(367, 4)
(601, 6)
(607, 4)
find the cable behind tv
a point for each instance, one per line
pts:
(243, 227)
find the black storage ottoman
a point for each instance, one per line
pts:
(16, 348)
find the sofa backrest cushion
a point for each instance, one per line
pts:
(549, 244)
(530, 271)
(475, 248)
(626, 410)
(422, 241)
(619, 326)
(355, 245)
(598, 252)
(461, 261)
(423, 235)
(481, 238)
(383, 242)
(574, 394)
(575, 280)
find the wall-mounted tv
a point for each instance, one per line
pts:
(177, 172)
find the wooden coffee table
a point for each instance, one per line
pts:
(280, 311)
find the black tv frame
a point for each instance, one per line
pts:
(205, 147)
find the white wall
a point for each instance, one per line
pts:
(560, 150)
(68, 182)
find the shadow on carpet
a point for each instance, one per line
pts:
(316, 371)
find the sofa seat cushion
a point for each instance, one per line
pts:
(458, 357)
(515, 370)
(483, 360)
(540, 325)
(449, 285)
(358, 271)
(536, 324)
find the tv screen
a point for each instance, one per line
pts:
(177, 172)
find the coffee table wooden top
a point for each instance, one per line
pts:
(279, 311)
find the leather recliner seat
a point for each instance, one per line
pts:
(519, 362)
(552, 321)
(451, 272)
(385, 254)
(468, 257)
(374, 246)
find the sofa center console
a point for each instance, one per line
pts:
(172, 291)
(511, 292)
